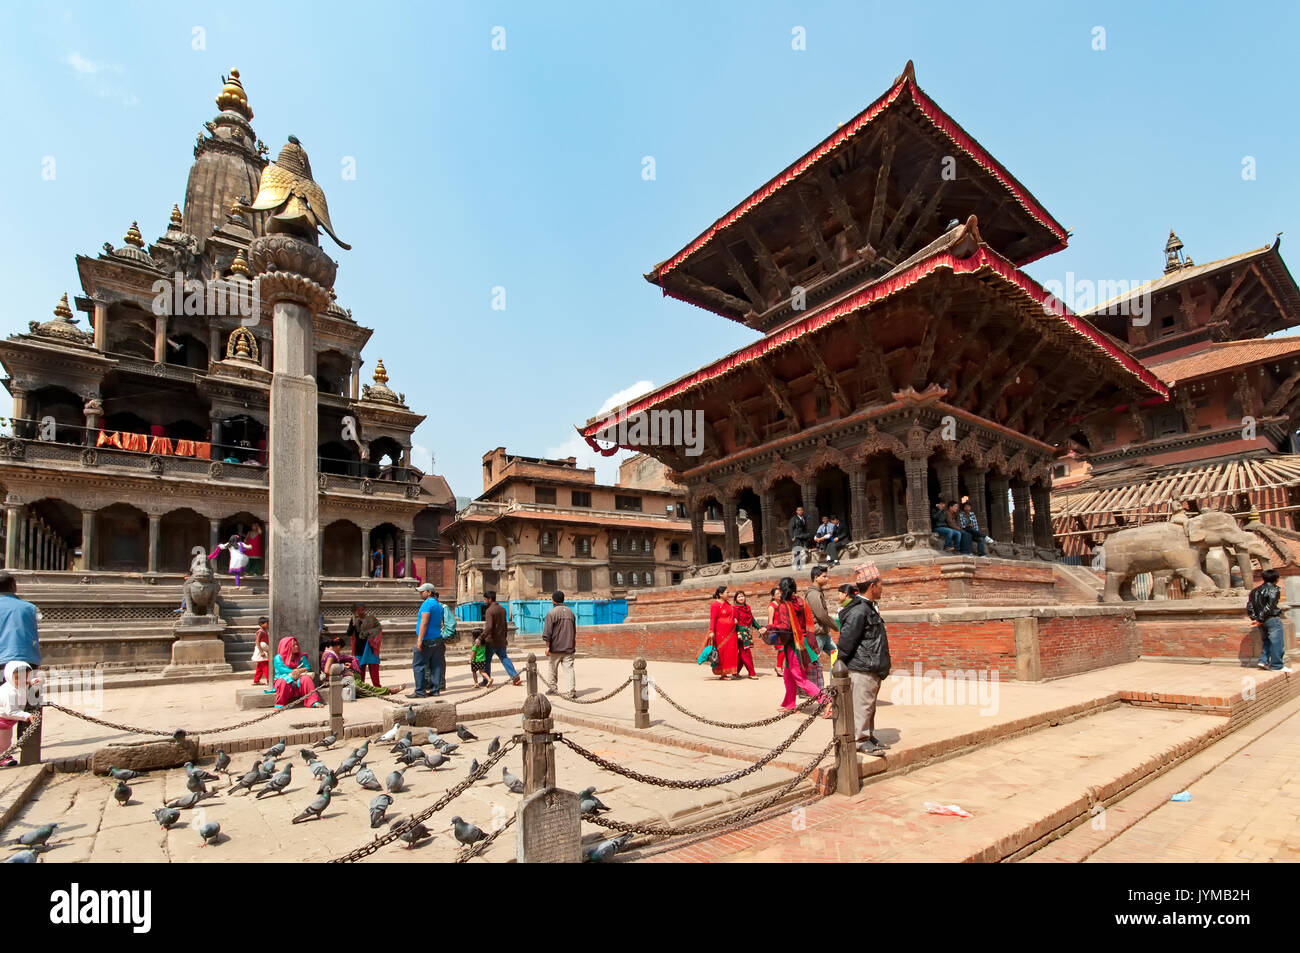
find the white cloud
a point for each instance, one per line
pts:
(421, 458)
(104, 80)
(626, 395)
(576, 446)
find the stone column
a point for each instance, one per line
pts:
(730, 535)
(88, 560)
(214, 344)
(13, 531)
(974, 478)
(21, 427)
(155, 524)
(365, 553)
(215, 417)
(265, 353)
(214, 535)
(101, 325)
(917, 471)
(947, 470)
(90, 411)
(24, 540)
(808, 492)
(1024, 527)
(999, 520)
(699, 554)
(160, 339)
(766, 518)
(355, 390)
(406, 553)
(294, 276)
(1041, 497)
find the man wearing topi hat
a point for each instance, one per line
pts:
(864, 649)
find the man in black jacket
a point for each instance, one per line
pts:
(1263, 609)
(800, 536)
(864, 649)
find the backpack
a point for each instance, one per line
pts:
(448, 622)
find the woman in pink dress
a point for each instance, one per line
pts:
(790, 624)
(722, 635)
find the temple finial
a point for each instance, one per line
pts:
(133, 236)
(240, 266)
(62, 309)
(232, 95)
(381, 375)
(1173, 253)
(176, 218)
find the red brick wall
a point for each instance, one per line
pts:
(1210, 638)
(1067, 646)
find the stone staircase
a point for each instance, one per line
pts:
(241, 608)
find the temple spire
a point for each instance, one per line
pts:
(232, 95)
(1174, 253)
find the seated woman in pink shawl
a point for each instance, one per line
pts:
(332, 654)
(293, 676)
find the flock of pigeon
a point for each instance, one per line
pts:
(274, 780)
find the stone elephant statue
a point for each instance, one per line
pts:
(1216, 528)
(1157, 548)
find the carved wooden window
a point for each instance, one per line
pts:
(582, 546)
(545, 494)
(674, 550)
(627, 503)
(584, 580)
(618, 579)
(547, 542)
(581, 498)
(613, 544)
(548, 580)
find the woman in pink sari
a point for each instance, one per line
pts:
(292, 676)
(722, 635)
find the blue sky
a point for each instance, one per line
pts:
(521, 168)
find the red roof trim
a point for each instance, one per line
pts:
(983, 258)
(941, 121)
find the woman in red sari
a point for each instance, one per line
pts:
(292, 675)
(722, 635)
(744, 617)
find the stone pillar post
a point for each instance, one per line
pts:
(730, 535)
(999, 520)
(155, 524)
(947, 470)
(808, 488)
(101, 325)
(214, 344)
(640, 695)
(917, 471)
(24, 537)
(355, 390)
(407, 536)
(91, 411)
(699, 552)
(294, 276)
(974, 477)
(539, 746)
(265, 353)
(365, 553)
(1041, 497)
(1024, 527)
(214, 534)
(21, 427)
(215, 417)
(847, 779)
(160, 339)
(88, 561)
(766, 518)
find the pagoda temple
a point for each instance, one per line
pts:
(905, 355)
(145, 435)
(1226, 439)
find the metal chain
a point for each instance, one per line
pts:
(458, 700)
(694, 784)
(448, 796)
(730, 821)
(601, 698)
(22, 739)
(484, 844)
(132, 729)
(819, 701)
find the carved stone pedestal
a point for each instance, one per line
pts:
(198, 650)
(439, 716)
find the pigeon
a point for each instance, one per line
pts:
(404, 742)
(328, 782)
(278, 783)
(315, 809)
(464, 734)
(195, 783)
(411, 755)
(38, 836)
(414, 834)
(377, 809)
(513, 784)
(188, 801)
(588, 803)
(267, 768)
(390, 734)
(360, 753)
(248, 780)
(448, 749)
(410, 714)
(394, 781)
(473, 766)
(124, 774)
(209, 832)
(327, 741)
(435, 760)
(122, 793)
(366, 778)
(348, 766)
(599, 853)
(276, 749)
(22, 857)
(308, 756)
(494, 746)
(466, 834)
(223, 762)
(436, 739)
(166, 816)
(199, 772)
(320, 769)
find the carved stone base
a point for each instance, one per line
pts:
(146, 756)
(440, 716)
(198, 650)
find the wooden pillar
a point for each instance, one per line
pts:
(1023, 527)
(356, 379)
(999, 519)
(1041, 498)
(857, 503)
(947, 471)
(730, 535)
(88, 560)
(767, 517)
(974, 479)
(155, 524)
(101, 325)
(215, 418)
(918, 494)
(808, 488)
(160, 339)
(21, 427)
(699, 551)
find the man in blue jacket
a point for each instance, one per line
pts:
(18, 638)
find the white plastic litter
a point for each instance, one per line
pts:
(949, 810)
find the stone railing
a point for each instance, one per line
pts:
(42, 452)
(337, 482)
